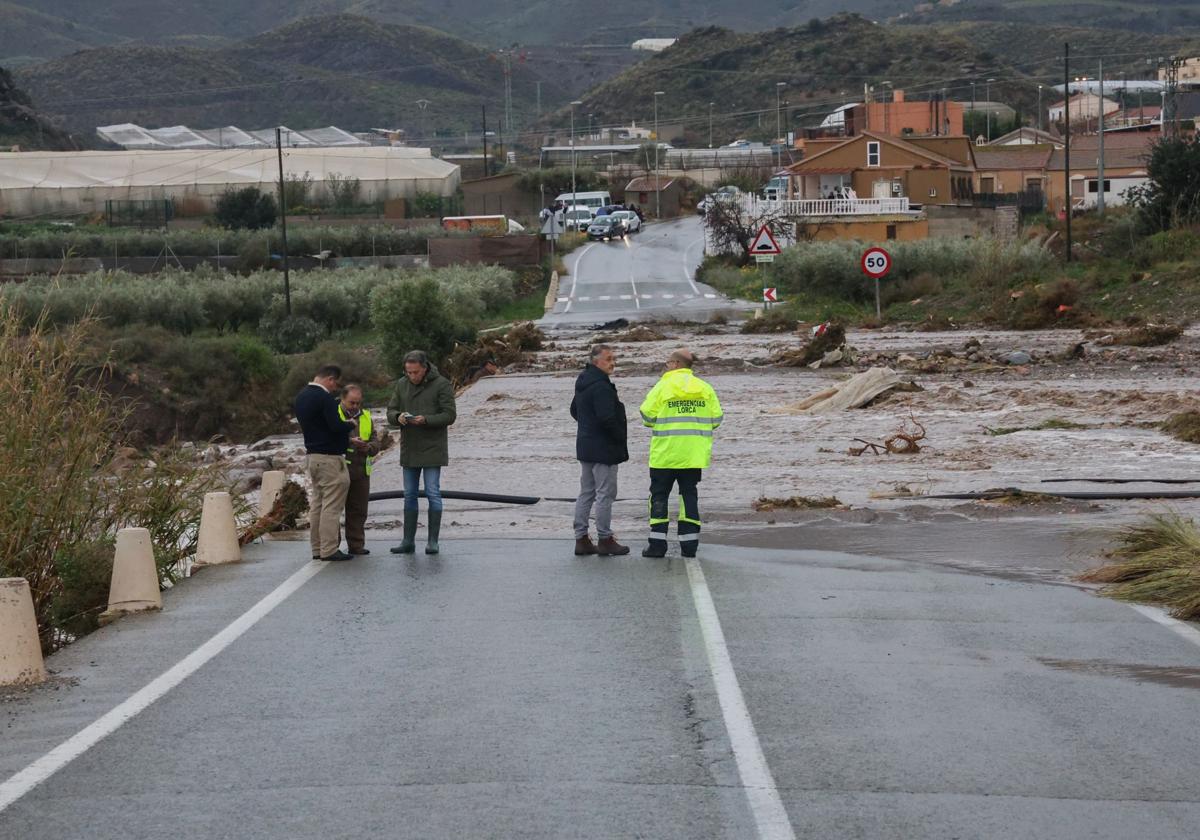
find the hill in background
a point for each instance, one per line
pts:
(49, 28)
(344, 70)
(826, 63)
(21, 125)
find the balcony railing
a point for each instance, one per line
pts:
(838, 206)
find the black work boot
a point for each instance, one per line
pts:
(409, 544)
(435, 530)
(656, 548)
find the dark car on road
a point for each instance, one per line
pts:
(607, 227)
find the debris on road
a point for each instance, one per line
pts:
(1149, 335)
(766, 504)
(1157, 562)
(1184, 426)
(291, 504)
(905, 441)
(635, 334)
(507, 350)
(855, 392)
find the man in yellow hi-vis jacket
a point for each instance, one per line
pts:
(682, 411)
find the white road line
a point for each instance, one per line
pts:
(604, 297)
(1183, 629)
(583, 299)
(626, 297)
(769, 814)
(710, 296)
(39, 771)
(667, 297)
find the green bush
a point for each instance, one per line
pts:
(358, 366)
(247, 208)
(288, 333)
(415, 315)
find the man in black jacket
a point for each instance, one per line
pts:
(326, 439)
(600, 445)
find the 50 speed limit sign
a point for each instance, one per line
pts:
(876, 262)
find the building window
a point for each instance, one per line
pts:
(933, 192)
(1094, 185)
(873, 153)
(891, 231)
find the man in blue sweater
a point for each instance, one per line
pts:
(326, 439)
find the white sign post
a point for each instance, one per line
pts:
(764, 248)
(876, 263)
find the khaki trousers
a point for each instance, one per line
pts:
(357, 502)
(330, 483)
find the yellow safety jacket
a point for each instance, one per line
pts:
(681, 410)
(365, 430)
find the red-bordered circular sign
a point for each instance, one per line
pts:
(876, 262)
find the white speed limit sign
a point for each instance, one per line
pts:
(876, 262)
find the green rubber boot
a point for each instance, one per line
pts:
(409, 544)
(435, 529)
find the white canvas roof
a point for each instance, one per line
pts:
(66, 182)
(59, 170)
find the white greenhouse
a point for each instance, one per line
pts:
(73, 183)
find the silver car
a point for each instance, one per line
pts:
(632, 223)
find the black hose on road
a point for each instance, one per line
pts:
(1123, 480)
(456, 494)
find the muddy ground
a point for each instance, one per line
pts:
(514, 435)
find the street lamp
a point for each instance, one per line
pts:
(972, 109)
(988, 95)
(778, 126)
(710, 123)
(1039, 119)
(574, 200)
(657, 181)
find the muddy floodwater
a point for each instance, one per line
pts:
(1080, 408)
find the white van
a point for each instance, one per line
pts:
(595, 199)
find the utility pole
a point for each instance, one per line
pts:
(1067, 138)
(972, 109)
(657, 182)
(1100, 159)
(287, 285)
(778, 126)
(1039, 114)
(574, 200)
(486, 168)
(988, 94)
(539, 99)
(710, 124)
(422, 104)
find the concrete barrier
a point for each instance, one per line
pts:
(218, 539)
(20, 651)
(272, 486)
(134, 585)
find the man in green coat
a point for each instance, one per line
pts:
(423, 408)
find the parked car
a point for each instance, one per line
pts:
(776, 188)
(725, 193)
(578, 218)
(606, 228)
(632, 223)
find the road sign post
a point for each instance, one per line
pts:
(764, 248)
(876, 263)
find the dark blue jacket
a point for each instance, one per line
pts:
(325, 433)
(602, 434)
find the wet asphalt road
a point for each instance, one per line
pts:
(508, 689)
(646, 275)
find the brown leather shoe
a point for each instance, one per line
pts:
(608, 547)
(584, 545)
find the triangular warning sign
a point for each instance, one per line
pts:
(764, 243)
